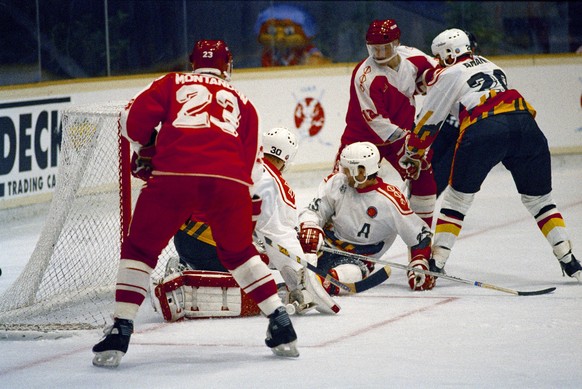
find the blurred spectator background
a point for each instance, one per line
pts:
(44, 40)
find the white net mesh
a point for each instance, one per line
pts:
(69, 281)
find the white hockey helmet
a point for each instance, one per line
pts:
(451, 43)
(358, 154)
(280, 142)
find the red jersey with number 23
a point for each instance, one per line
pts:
(208, 128)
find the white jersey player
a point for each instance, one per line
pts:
(277, 222)
(497, 125)
(381, 108)
(355, 211)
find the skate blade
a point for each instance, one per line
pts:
(286, 350)
(108, 358)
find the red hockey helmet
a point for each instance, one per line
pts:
(212, 56)
(382, 31)
(382, 39)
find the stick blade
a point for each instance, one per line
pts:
(537, 292)
(373, 280)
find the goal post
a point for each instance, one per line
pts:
(69, 280)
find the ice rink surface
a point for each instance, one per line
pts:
(456, 335)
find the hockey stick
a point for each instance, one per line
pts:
(351, 287)
(440, 275)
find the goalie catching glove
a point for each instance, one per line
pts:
(310, 237)
(141, 160)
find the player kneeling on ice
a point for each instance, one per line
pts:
(196, 285)
(202, 163)
(357, 212)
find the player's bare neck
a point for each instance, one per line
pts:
(394, 63)
(277, 162)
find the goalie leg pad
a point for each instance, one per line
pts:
(325, 303)
(195, 294)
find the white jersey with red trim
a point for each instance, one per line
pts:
(371, 216)
(278, 218)
(382, 99)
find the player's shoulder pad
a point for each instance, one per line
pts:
(432, 77)
(395, 196)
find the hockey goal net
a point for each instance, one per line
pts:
(69, 281)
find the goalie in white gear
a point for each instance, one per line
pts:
(276, 221)
(355, 211)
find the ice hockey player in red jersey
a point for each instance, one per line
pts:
(497, 125)
(381, 108)
(276, 224)
(202, 163)
(355, 211)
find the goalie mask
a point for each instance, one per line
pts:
(281, 143)
(212, 56)
(382, 39)
(450, 45)
(358, 154)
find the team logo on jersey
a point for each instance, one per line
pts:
(309, 116)
(372, 212)
(398, 196)
(369, 115)
(362, 78)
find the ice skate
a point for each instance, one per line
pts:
(109, 351)
(435, 268)
(572, 268)
(281, 337)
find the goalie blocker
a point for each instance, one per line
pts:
(198, 294)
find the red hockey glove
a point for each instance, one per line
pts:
(419, 281)
(412, 164)
(141, 161)
(310, 237)
(412, 159)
